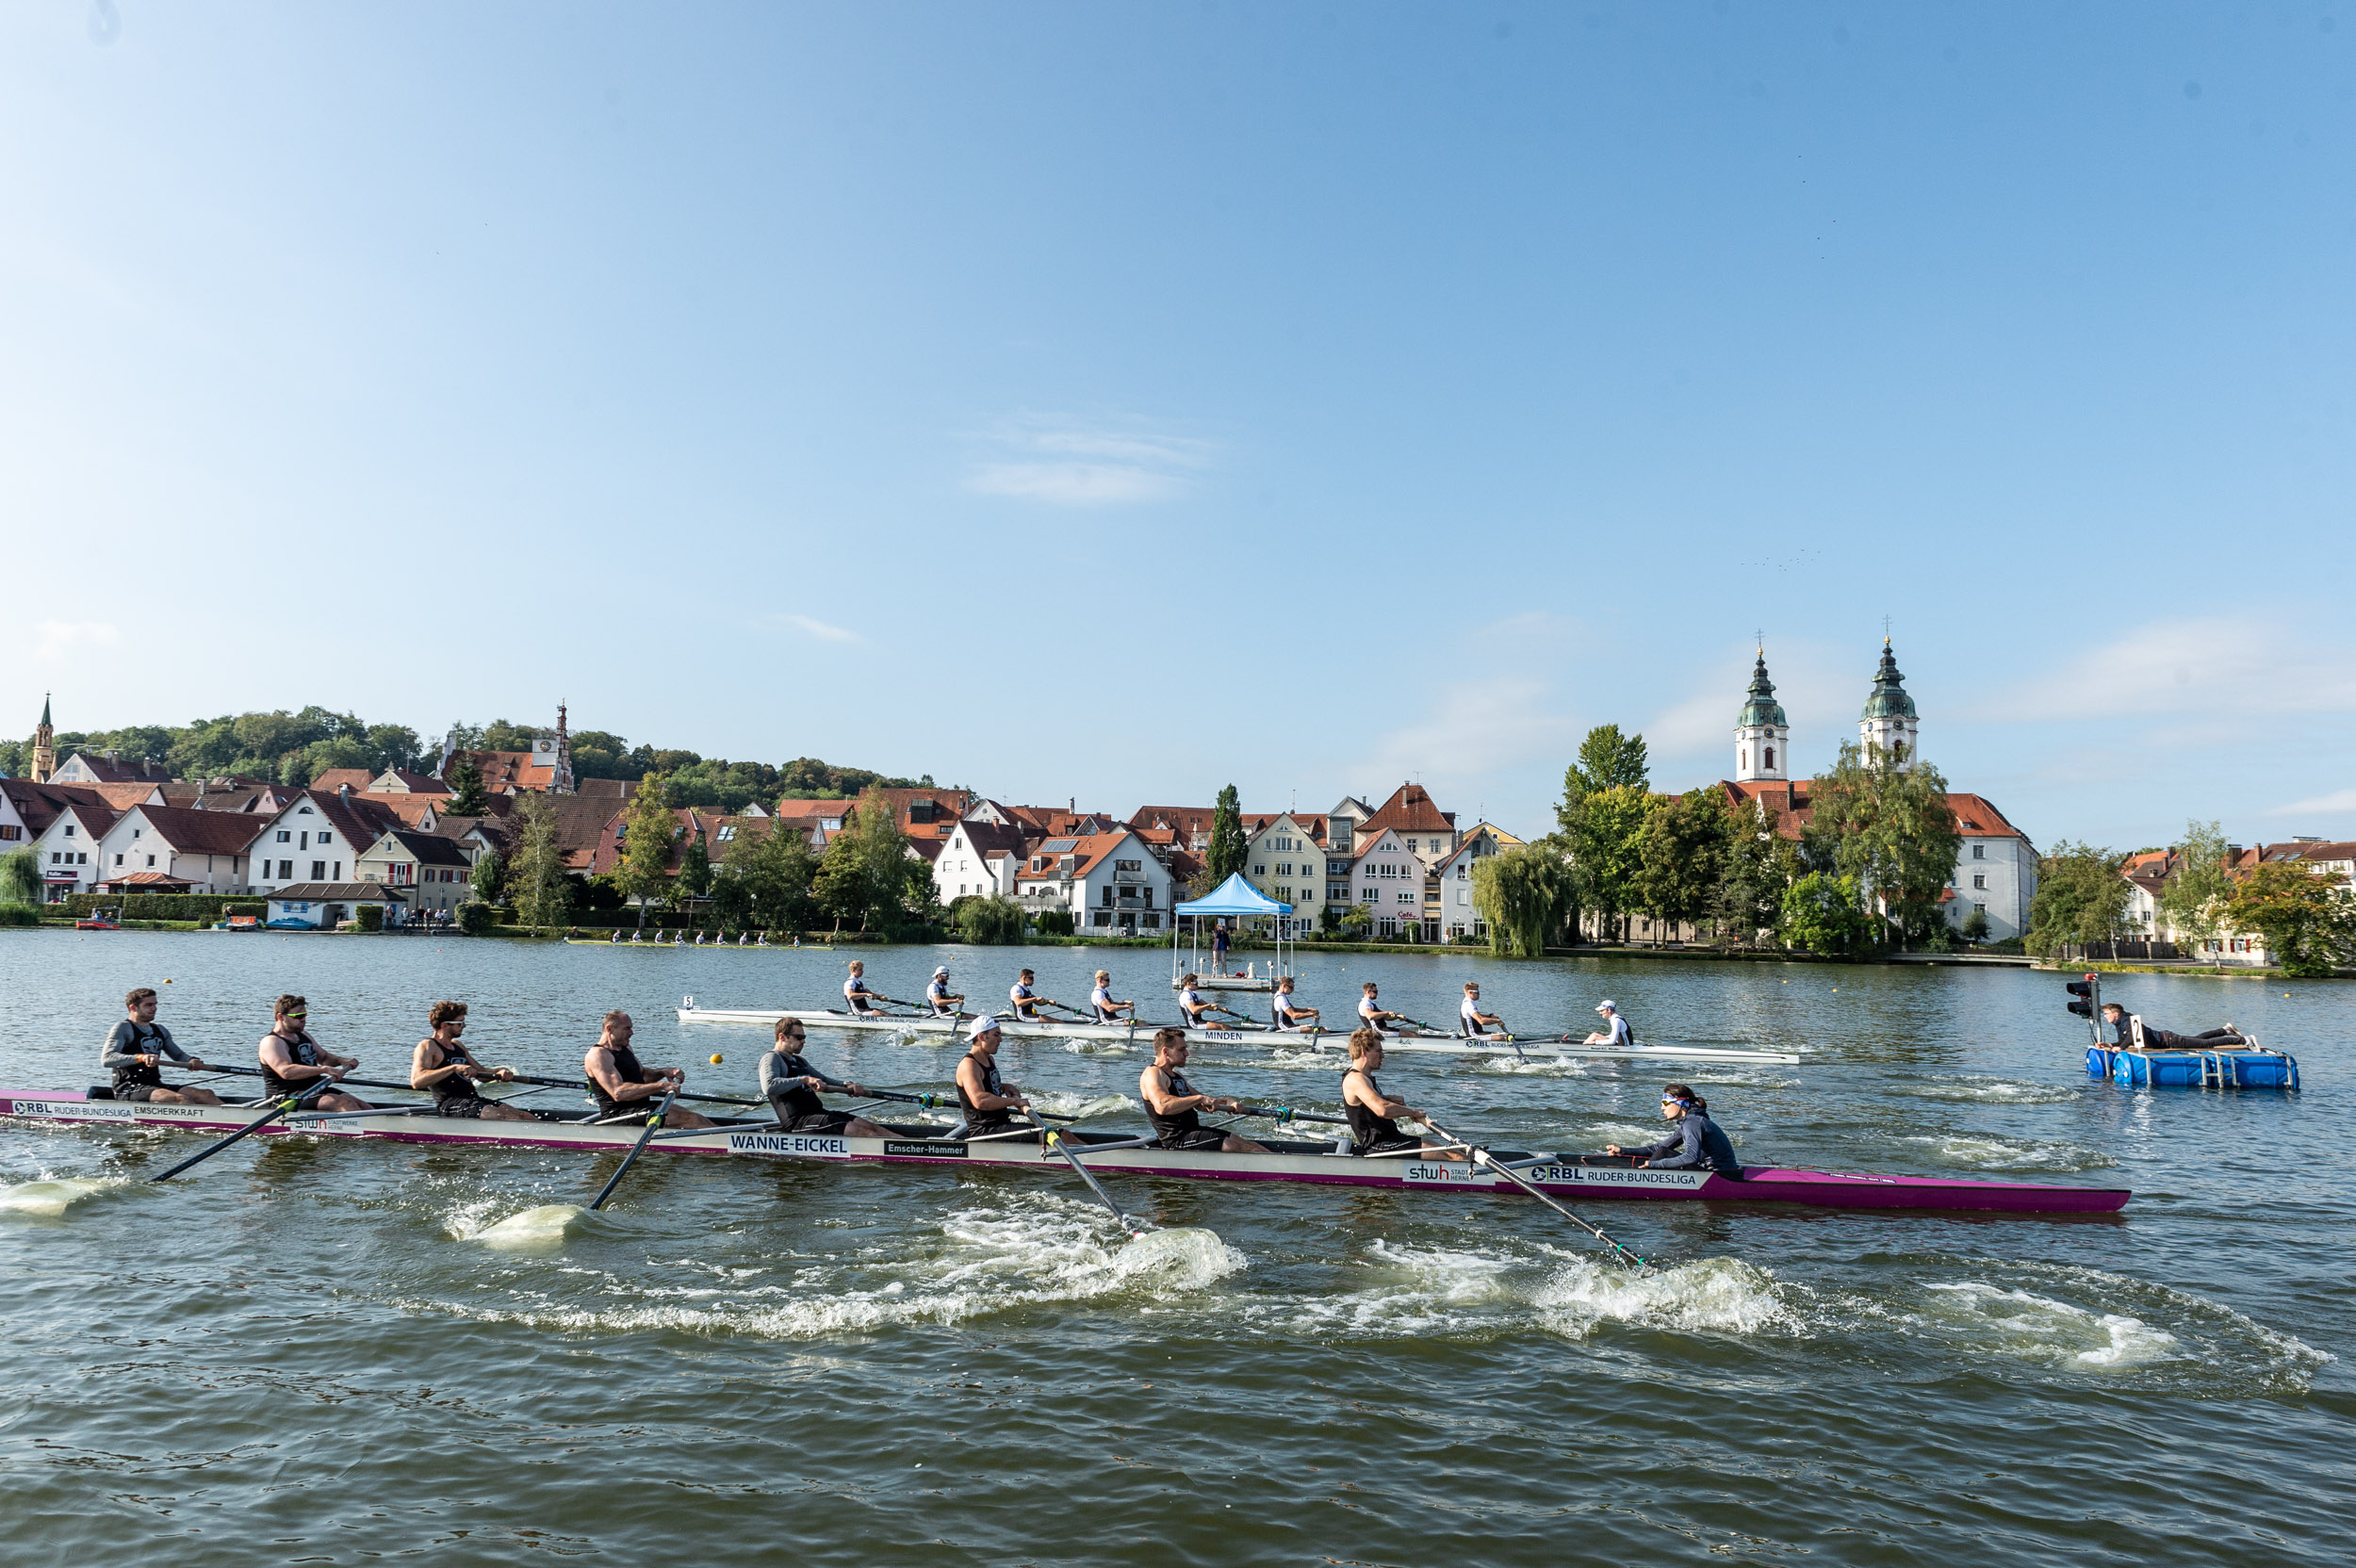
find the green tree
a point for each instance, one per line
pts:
(992, 921)
(870, 874)
(2081, 898)
(1681, 858)
(2307, 918)
(1975, 926)
(20, 876)
(489, 876)
(1761, 864)
(695, 867)
(1606, 845)
(1523, 896)
(2193, 901)
(467, 798)
(647, 826)
(544, 896)
(1892, 832)
(1825, 913)
(772, 870)
(1610, 761)
(1596, 836)
(1229, 848)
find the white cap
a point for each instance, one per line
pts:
(981, 1026)
(1607, 1006)
(942, 969)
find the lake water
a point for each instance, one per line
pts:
(302, 1352)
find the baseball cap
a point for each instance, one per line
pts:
(981, 1026)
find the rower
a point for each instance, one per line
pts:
(1475, 1022)
(943, 1000)
(1192, 1003)
(1101, 1004)
(855, 991)
(293, 1063)
(1371, 1112)
(1695, 1142)
(2124, 1025)
(1286, 1017)
(136, 1050)
(1370, 1013)
(1174, 1107)
(617, 937)
(1615, 1032)
(1026, 1001)
(449, 1070)
(625, 1087)
(986, 1097)
(790, 1085)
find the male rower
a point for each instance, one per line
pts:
(1614, 1031)
(1475, 1022)
(2123, 1023)
(861, 999)
(1102, 1004)
(1197, 1007)
(137, 1049)
(1372, 1114)
(1694, 1140)
(790, 1085)
(986, 1098)
(1175, 1108)
(448, 1071)
(1288, 1018)
(1026, 1001)
(944, 1001)
(293, 1062)
(1370, 1013)
(623, 1087)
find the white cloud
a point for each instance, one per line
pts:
(2339, 803)
(2226, 667)
(822, 630)
(1474, 730)
(1072, 462)
(54, 640)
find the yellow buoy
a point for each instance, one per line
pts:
(715, 1058)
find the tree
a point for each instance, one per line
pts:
(1611, 761)
(2307, 918)
(1975, 926)
(1523, 896)
(2193, 898)
(467, 798)
(695, 867)
(1825, 913)
(868, 872)
(20, 876)
(1229, 848)
(1892, 832)
(1606, 848)
(489, 878)
(2081, 898)
(1761, 863)
(771, 871)
(647, 825)
(995, 920)
(543, 895)
(1681, 858)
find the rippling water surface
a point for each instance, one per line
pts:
(341, 1353)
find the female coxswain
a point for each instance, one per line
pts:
(1694, 1140)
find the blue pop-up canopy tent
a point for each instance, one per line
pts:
(1235, 899)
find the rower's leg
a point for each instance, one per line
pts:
(677, 1118)
(494, 1112)
(860, 1127)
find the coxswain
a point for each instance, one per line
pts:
(293, 1063)
(1175, 1107)
(1475, 1022)
(861, 999)
(448, 1071)
(1192, 1003)
(986, 1098)
(1372, 1114)
(1615, 1032)
(1286, 1017)
(790, 1085)
(1026, 1001)
(2123, 1022)
(1694, 1140)
(1370, 1013)
(1103, 1006)
(622, 1086)
(137, 1049)
(945, 1003)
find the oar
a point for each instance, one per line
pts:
(1483, 1157)
(1285, 1113)
(281, 1108)
(635, 1150)
(1053, 1139)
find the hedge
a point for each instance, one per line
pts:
(196, 906)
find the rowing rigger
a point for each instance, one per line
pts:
(1525, 1048)
(1322, 1163)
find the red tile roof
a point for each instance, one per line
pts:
(1976, 816)
(355, 779)
(1410, 811)
(192, 832)
(1087, 849)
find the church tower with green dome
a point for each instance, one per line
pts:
(1762, 739)
(1889, 725)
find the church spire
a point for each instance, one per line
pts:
(1889, 725)
(45, 746)
(1762, 737)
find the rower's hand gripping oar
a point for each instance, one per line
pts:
(291, 1102)
(1481, 1157)
(1053, 1139)
(635, 1150)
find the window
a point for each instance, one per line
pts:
(1742, 757)
(1979, 852)
(137, 831)
(1284, 868)
(118, 859)
(1981, 907)
(1459, 871)
(1125, 865)
(1259, 871)
(69, 830)
(1285, 894)
(318, 871)
(1980, 882)
(284, 836)
(327, 838)
(285, 871)
(1103, 916)
(727, 831)
(1405, 897)
(151, 860)
(302, 812)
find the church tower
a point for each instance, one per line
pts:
(560, 777)
(1762, 740)
(45, 746)
(1889, 725)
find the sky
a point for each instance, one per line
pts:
(1113, 402)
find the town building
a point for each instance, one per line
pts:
(67, 847)
(980, 858)
(545, 769)
(431, 872)
(173, 849)
(325, 905)
(1284, 859)
(1112, 883)
(1388, 877)
(1460, 917)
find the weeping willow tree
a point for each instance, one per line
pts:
(1524, 895)
(20, 876)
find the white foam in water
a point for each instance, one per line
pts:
(2039, 1328)
(1710, 1296)
(545, 1226)
(1551, 1067)
(1083, 1105)
(51, 1199)
(1991, 1151)
(1984, 1090)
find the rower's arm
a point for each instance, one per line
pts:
(970, 1079)
(600, 1066)
(424, 1077)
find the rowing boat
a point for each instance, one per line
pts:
(1327, 1164)
(1525, 1049)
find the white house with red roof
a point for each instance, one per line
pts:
(1387, 876)
(68, 847)
(318, 837)
(1112, 882)
(979, 857)
(173, 849)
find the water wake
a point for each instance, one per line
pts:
(1723, 1296)
(1980, 1089)
(545, 1226)
(50, 1198)
(1996, 1152)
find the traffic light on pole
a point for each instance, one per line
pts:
(2085, 992)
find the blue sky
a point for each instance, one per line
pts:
(1116, 401)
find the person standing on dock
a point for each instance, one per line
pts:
(1218, 945)
(1615, 1032)
(136, 1050)
(1288, 1018)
